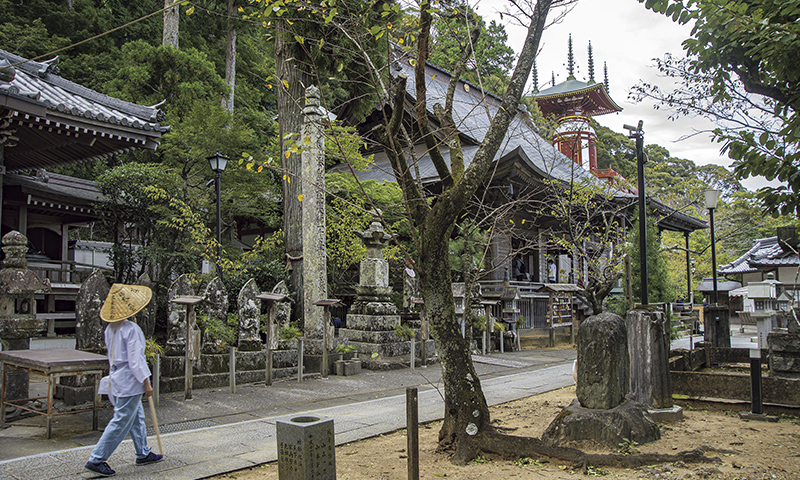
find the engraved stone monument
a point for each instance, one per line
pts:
(306, 449)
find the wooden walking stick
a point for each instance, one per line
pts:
(155, 424)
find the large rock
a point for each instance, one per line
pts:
(602, 362)
(576, 424)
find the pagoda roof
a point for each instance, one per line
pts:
(52, 121)
(593, 97)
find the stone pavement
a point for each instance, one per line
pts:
(218, 431)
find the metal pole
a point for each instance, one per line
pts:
(755, 381)
(642, 213)
(688, 270)
(412, 432)
(713, 256)
(219, 216)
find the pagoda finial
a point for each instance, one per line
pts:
(605, 76)
(570, 61)
(554, 79)
(535, 78)
(591, 63)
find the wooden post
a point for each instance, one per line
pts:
(272, 307)
(300, 360)
(192, 350)
(413, 347)
(412, 432)
(326, 303)
(187, 356)
(232, 367)
(156, 379)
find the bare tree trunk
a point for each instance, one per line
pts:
(171, 21)
(230, 57)
(292, 81)
(467, 425)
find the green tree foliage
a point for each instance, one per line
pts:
(131, 217)
(493, 58)
(742, 72)
(659, 288)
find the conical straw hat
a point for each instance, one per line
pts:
(124, 301)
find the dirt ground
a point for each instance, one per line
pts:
(763, 450)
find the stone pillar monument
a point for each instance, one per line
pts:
(89, 328)
(602, 413)
(18, 322)
(315, 274)
(146, 318)
(648, 345)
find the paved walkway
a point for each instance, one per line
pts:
(218, 432)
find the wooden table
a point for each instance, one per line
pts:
(53, 363)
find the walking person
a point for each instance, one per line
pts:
(128, 379)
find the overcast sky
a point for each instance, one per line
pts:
(627, 37)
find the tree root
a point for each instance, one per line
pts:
(507, 446)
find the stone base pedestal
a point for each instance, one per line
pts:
(213, 370)
(345, 368)
(762, 417)
(576, 424)
(664, 415)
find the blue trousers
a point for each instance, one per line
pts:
(128, 418)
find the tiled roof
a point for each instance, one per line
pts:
(54, 120)
(473, 111)
(765, 252)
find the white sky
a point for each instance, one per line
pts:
(626, 36)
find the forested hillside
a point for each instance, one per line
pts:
(115, 47)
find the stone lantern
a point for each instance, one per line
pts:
(18, 322)
(764, 296)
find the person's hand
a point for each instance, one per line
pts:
(148, 390)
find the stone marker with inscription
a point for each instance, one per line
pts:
(306, 449)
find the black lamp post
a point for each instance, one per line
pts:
(218, 163)
(711, 199)
(637, 134)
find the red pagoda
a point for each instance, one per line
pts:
(572, 103)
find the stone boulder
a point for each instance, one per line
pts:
(602, 362)
(576, 424)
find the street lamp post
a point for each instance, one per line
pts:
(638, 134)
(218, 163)
(711, 199)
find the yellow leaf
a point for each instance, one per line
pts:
(288, 179)
(285, 84)
(284, 178)
(190, 10)
(260, 167)
(307, 140)
(523, 221)
(269, 86)
(300, 198)
(287, 154)
(241, 10)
